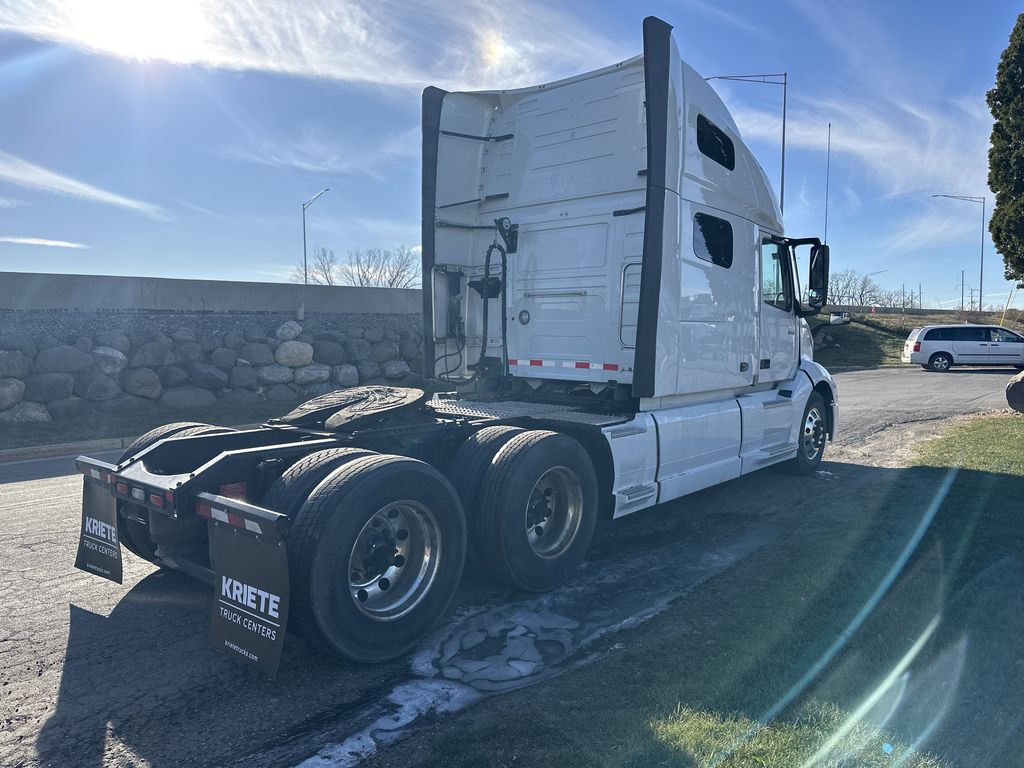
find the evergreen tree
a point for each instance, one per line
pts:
(1006, 155)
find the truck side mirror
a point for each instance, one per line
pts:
(817, 279)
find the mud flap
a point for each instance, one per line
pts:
(249, 615)
(99, 548)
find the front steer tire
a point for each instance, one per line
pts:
(538, 510)
(375, 519)
(812, 437)
(133, 534)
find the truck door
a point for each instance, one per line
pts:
(778, 340)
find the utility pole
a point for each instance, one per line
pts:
(305, 205)
(920, 297)
(962, 290)
(828, 168)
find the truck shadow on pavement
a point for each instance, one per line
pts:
(143, 686)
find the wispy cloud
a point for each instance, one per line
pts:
(371, 232)
(897, 136)
(40, 241)
(928, 228)
(907, 149)
(469, 43)
(202, 210)
(721, 15)
(25, 174)
(310, 151)
(10, 202)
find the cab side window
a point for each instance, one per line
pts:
(775, 276)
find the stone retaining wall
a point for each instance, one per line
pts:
(58, 364)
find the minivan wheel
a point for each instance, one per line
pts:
(940, 362)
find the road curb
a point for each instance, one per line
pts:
(57, 450)
(851, 368)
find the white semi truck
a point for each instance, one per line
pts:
(613, 318)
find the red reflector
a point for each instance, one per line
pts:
(233, 490)
(203, 510)
(170, 496)
(917, 346)
(582, 365)
(156, 500)
(122, 488)
(610, 367)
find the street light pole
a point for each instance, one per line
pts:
(981, 273)
(784, 82)
(305, 205)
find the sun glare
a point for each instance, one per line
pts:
(174, 30)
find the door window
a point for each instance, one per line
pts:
(970, 334)
(1005, 336)
(775, 276)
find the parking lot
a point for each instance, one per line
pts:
(93, 672)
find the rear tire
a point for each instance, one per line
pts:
(940, 362)
(538, 510)
(375, 556)
(133, 533)
(812, 438)
(466, 473)
(288, 493)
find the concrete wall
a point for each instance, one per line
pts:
(29, 291)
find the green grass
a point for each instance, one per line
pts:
(934, 553)
(987, 445)
(862, 345)
(96, 426)
(730, 741)
(872, 340)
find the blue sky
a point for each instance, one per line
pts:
(178, 138)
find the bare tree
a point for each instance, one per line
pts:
(867, 292)
(381, 267)
(323, 268)
(841, 286)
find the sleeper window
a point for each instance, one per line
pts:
(712, 239)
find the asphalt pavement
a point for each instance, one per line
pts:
(93, 673)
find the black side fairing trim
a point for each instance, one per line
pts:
(657, 58)
(432, 101)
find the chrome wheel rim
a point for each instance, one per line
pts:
(814, 434)
(940, 363)
(554, 512)
(394, 560)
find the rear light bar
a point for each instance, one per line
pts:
(211, 512)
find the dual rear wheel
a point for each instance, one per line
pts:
(531, 501)
(377, 542)
(375, 551)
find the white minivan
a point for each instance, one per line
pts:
(940, 347)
